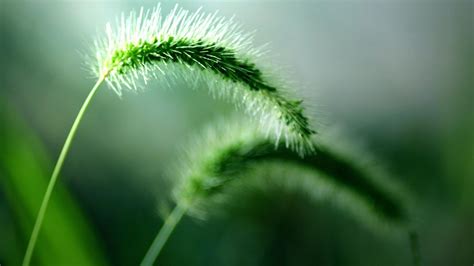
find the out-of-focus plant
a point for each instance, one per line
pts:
(337, 173)
(24, 163)
(195, 47)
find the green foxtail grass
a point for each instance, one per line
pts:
(337, 173)
(194, 47)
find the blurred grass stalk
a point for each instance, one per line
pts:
(24, 166)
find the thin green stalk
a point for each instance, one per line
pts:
(55, 175)
(165, 232)
(415, 248)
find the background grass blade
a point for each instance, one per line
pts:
(67, 236)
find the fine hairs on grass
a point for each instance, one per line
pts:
(236, 152)
(200, 48)
(195, 47)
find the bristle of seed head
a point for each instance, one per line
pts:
(199, 48)
(229, 152)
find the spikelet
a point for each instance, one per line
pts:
(200, 49)
(229, 154)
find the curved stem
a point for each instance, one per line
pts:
(56, 171)
(165, 232)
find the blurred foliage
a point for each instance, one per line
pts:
(339, 173)
(24, 169)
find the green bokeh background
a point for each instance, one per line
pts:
(397, 75)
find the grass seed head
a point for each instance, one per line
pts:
(200, 48)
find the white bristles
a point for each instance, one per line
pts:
(178, 24)
(195, 29)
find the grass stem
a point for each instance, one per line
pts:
(415, 248)
(55, 175)
(163, 235)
